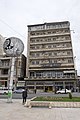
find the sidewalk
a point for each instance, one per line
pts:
(17, 111)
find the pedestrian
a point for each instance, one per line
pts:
(24, 96)
(35, 91)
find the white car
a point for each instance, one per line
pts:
(3, 91)
(63, 91)
(18, 90)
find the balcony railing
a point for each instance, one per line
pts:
(4, 66)
(51, 49)
(51, 65)
(48, 35)
(51, 57)
(52, 78)
(44, 42)
(4, 76)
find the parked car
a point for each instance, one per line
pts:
(63, 91)
(4, 91)
(18, 90)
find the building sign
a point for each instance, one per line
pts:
(13, 46)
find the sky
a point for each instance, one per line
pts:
(15, 15)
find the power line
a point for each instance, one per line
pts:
(11, 27)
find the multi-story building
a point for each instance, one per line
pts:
(50, 60)
(4, 71)
(2, 39)
(19, 71)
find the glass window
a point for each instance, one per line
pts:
(70, 60)
(4, 71)
(37, 62)
(33, 62)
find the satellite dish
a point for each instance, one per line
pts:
(13, 46)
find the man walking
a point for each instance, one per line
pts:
(24, 96)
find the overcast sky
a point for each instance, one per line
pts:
(15, 15)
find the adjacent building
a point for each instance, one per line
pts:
(2, 39)
(5, 68)
(50, 59)
(19, 71)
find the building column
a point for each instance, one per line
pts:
(64, 86)
(44, 86)
(35, 87)
(74, 86)
(53, 86)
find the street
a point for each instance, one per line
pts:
(31, 95)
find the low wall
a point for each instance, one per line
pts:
(52, 104)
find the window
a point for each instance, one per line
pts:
(49, 39)
(53, 74)
(32, 47)
(37, 33)
(49, 46)
(55, 54)
(54, 45)
(54, 39)
(32, 40)
(50, 54)
(4, 71)
(32, 33)
(68, 53)
(55, 61)
(69, 61)
(67, 30)
(43, 46)
(37, 47)
(37, 54)
(37, 62)
(37, 40)
(49, 75)
(33, 62)
(32, 54)
(49, 32)
(67, 38)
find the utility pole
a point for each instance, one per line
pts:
(11, 80)
(12, 47)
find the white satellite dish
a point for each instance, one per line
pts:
(13, 46)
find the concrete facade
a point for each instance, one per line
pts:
(50, 60)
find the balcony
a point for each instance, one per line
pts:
(51, 49)
(50, 35)
(52, 78)
(4, 76)
(4, 66)
(32, 68)
(51, 57)
(57, 41)
(51, 65)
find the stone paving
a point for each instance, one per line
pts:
(17, 111)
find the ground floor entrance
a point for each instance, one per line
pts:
(51, 86)
(48, 88)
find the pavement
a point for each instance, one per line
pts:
(17, 111)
